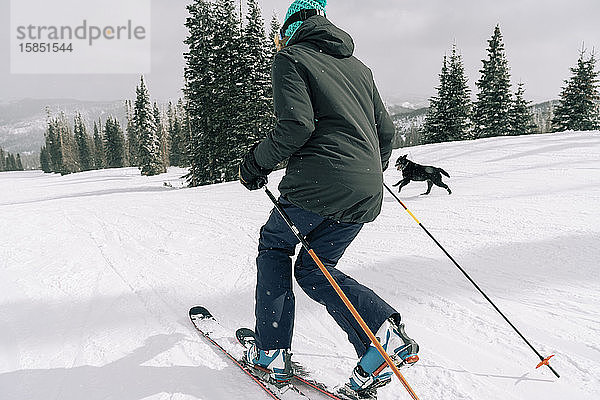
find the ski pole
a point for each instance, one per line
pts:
(340, 293)
(543, 361)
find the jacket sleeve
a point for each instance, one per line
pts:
(385, 127)
(294, 113)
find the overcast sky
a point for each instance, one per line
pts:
(403, 41)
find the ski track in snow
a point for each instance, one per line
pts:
(99, 269)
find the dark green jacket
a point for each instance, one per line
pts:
(331, 124)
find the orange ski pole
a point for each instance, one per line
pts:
(342, 295)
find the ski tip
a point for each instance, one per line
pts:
(245, 336)
(200, 312)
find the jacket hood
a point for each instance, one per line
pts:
(319, 31)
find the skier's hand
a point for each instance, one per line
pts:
(252, 175)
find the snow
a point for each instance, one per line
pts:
(99, 269)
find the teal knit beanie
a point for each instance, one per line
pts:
(298, 5)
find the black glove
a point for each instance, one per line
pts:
(385, 165)
(252, 175)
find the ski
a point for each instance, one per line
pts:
(319, 387)
(300, 386)
(207, 326)
(300, 379)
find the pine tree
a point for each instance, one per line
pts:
(163, 140)
(115, 144)
(256, 90)
(11, 163)
(521, 119)
(459, 99)
(174, 130)
(133, 138)
(185, 133)
(53, 144)
(68, 147)
(2, 161)
(449, 114)
(491, 114)
(19, 163)
(45, 160)
(434, 127)
(228, 91)
(177, 137)
(579, 108)
(198, 73)
(146, 128)
(99, 152)
(83, 144)
(228, 86)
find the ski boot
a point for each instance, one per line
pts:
(372, 371)
(273, 366)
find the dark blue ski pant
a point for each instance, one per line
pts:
(274, 296)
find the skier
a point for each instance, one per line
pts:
(334, 131)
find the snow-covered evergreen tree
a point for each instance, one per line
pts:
(199, 96)
(19, 163)
(150, 161)
(163, 140)
(434, 127)
(186, 133)
(53, 144)
(579, 108)
(492, 109)
(449, 113)
(10, 163)
(6, 161)
(82, 140)
(256, 103)
(133, 139)
(228, 92)
(521, 119)
(227, 88)
(99, 152)
(459, 99)
(44, 160)
(177, 142)
(68, 146)
(114, 143)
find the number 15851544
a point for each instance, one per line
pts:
(45, 47)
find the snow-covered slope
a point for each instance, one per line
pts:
(98, 270)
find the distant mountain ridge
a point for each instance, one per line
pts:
(23, 122)
(409, 122)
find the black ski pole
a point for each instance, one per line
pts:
(543, 361)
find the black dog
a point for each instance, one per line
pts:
(414, 172)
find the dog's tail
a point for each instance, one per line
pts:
(443, 172)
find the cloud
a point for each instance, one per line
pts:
(402, 41)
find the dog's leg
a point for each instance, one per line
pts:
(403, 183)
(429, 186)
(443, 185)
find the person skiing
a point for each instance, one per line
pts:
(336, 134)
